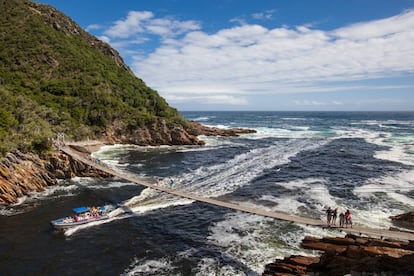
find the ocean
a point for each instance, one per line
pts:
(298, 162)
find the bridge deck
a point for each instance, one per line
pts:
(276, 215)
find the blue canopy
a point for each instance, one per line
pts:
(79, 210)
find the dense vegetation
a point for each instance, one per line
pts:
(54, 77)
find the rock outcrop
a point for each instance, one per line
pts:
(349, 255)
(153, 134)
(161, 133)
(405, 220)
(24, 173)
(406, 217)
(199, 129)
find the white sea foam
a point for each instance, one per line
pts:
(107, 185)
(202, 119)
(194, 149)
(294, 119)
(401, 147)
(223, 178)
(144, 266)
(384, 197)
(352, 132)
(312, 189)
(56, 191)
(255, 241)
(391, 184)
(220, 179)
(20, 201)
(155, 206)
(245, 238)
(400, 151)
(292, 133)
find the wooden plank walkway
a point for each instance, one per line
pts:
(358, 230)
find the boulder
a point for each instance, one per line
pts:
(406, 217)
(349, 255)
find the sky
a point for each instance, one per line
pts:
(275, 55)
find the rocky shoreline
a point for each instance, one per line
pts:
(24, 173)
(161, 133)
(351, 255)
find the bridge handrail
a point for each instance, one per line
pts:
(271, 214)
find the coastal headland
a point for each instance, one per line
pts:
(23, 173)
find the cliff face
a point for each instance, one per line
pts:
(23, 173)
(162, 133)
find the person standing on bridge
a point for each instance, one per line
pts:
(328, 216)
(348, 218)
(341, 219)
(334, 215)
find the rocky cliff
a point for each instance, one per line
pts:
(24, 173)
(350, 255)
(161, 133)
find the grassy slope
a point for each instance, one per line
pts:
(55, 77)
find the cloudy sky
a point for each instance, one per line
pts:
(262, 54)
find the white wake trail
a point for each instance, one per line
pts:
(224, 178)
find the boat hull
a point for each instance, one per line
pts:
(61, 224)
(82, 215)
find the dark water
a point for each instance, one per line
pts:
(298, 162)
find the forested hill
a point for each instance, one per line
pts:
(55, 77)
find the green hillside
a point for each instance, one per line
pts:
(55, 77)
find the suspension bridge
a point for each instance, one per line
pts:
(357, 230)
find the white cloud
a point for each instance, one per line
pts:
(133, 24)
(251, 59)
(94, 27)
(316, 103)
(266, 15)
(139, 22)
(210, 99)
(379, 28)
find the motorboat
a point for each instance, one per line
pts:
(82, 215)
